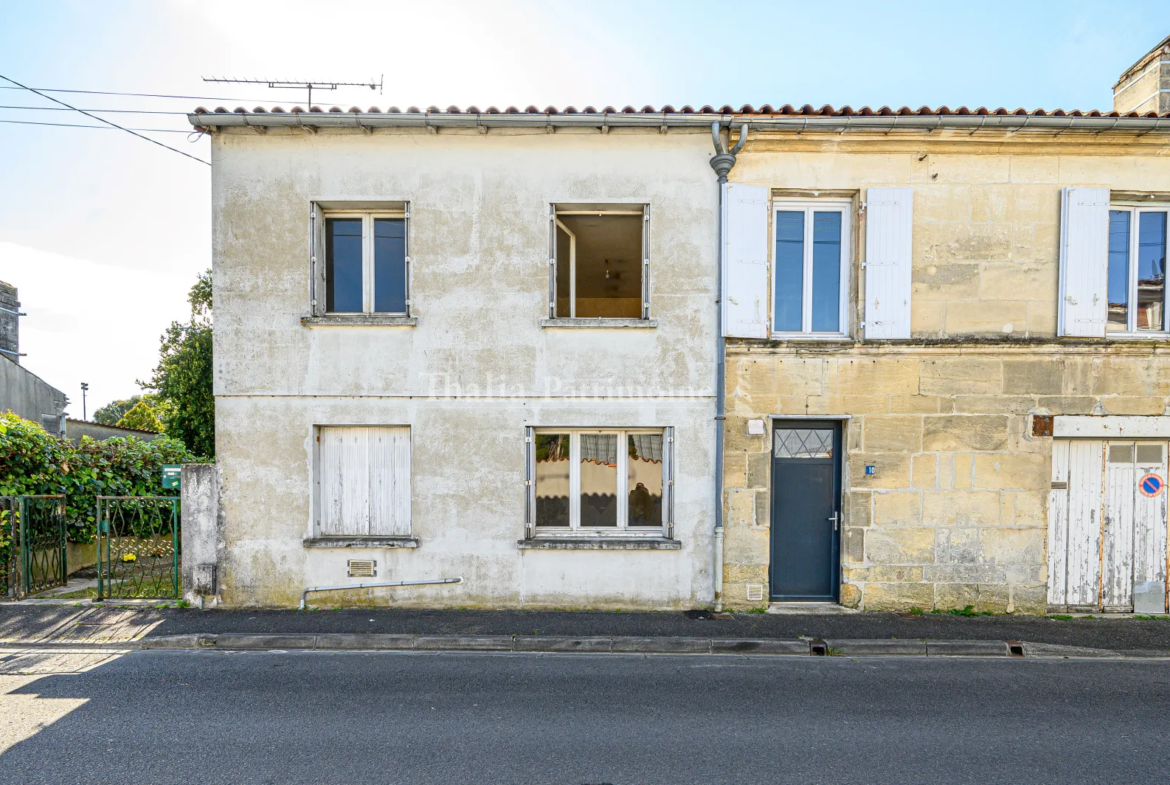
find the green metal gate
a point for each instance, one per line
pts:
(35, 528)
(138, 547)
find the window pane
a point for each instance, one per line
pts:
(1151, 270)
(599, 481)
(343, 265)
(789, 271)
(552, 479)
(644, 480)
(608, 255)
(1118, 271)
(826, 273)
(390, 265)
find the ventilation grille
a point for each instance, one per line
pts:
(362, 568)
(755, 592)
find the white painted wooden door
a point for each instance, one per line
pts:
(1118, 528)
(1085, 486)
(1106, 538)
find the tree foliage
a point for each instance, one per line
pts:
(35, 462)
(115, 410)
(182, 381)
(141, 417)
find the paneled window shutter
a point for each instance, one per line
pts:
(889, 228)
(1084, 262)
(529, 482)
(316, 260)
(745, 261)
(668, 454)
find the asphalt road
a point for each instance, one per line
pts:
(184, 717)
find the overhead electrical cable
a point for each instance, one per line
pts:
(107, 122)
(100, 128)
(101, 111)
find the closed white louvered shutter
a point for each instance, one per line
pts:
(745, 261)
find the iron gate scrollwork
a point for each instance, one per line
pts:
(35, 529)
(138, 547)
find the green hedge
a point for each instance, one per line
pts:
(34, 462)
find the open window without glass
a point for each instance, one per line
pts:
(600, 482)
(1137, 270)
(599, 263)
(361, 262)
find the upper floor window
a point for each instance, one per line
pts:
(599, 262)
(361, 262)
(1137, 270)
(810, 272)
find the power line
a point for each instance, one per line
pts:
(100, 127)
(140, 95)
(102, 111)
(107, 122)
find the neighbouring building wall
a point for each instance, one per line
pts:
(75, 429)
(28, 396)
(9, 322)
(955, 513)
(475, 371)
(1145, 86)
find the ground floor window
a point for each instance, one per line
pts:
(599, 481)
(363, 481)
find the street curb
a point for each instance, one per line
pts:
(836, 647)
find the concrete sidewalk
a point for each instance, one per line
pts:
(680, 632)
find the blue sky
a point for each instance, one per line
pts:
(104, 233)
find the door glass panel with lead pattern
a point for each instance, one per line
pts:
(804, 443)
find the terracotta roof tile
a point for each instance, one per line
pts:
(766, 110)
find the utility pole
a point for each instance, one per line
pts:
(84, 388)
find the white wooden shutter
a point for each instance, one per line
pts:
(529, 482)
(668, 481)
(316, 260)
(745, 261)
(889, 228)
(1084, 262)
(389, 481)
(345, 477)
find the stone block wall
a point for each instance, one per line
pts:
(956, 513)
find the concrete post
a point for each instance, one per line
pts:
(200, 533)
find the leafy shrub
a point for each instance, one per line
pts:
(142, 417)
(34, 462)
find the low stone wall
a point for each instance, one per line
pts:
(956, 513)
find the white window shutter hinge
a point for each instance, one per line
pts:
(863, 325)
(313, 259)
(407, 259)
(407, 214)
(646, 216)
(528, 440)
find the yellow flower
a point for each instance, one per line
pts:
(129, 557)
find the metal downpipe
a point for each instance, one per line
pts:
(722, 162)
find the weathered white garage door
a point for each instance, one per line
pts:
(1107, 525)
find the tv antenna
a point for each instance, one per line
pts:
(298, 84)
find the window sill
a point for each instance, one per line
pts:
(599, 323)
(359, 320)
(361, 542)
(599, 544)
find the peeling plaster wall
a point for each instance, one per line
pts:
(475, 371)
(956, 513)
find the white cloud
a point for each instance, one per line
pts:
(91, 322)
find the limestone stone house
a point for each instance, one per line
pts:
(891, 359)
(948, 375)
(466, 344)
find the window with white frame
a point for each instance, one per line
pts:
(600, 482)
(1137, 270)
(361, 262)
(599, 265)
(810, 273)
(363, 481)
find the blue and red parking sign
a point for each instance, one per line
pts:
(1151, 485)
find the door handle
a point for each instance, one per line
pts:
(836, 519)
